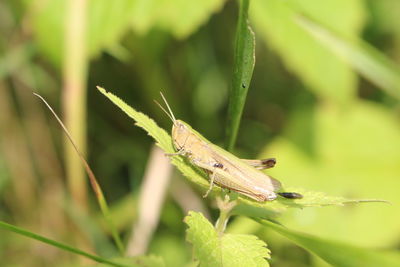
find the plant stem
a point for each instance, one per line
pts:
(244, 60)
(75, 67)
(225, 206)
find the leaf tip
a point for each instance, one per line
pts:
(101, 89)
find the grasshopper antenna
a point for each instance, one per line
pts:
(169, 109)
(166, 112)
(169, 114)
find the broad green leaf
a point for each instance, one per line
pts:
(242, 72)
(108, 21)
(364, 58)
(162, 138)
(337, 253)
(180, 17)
(246, 206)
(320, 69)
(356, 154)
(49, 18)
(213, 249)
(57, 244)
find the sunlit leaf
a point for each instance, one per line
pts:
(108, 21)
(337, 253)
(356, 155)
(320, 69)
(213, 249)
(367, 60)
(180, 17)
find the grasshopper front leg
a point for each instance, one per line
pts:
(212, 169)
(179, 153)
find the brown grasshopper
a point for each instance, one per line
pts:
(225, 169)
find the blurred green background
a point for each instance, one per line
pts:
(324, 103)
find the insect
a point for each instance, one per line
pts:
(225, 169)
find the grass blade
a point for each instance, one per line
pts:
(93, 182)
(364, 58)
(243, 70)
(57, 244)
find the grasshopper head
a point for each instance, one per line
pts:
(180, 130)
(180, 134)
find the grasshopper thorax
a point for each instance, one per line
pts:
(181, 133)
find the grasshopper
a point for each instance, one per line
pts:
(224, 169)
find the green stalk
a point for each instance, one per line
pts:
(75, 68)
(243, 70)
(225, 207)
(57, 244)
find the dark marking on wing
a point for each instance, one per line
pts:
(290, 195)
(269, 162)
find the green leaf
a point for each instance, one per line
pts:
(57, 244)
(310, 199)
(320, 69)
(162, 138)
(242, 73)
(180, 17)
(50, 18)
(245, 206)
(337, 253)
(212, 249)
(364, 58)
(356, 154)
(108, 21)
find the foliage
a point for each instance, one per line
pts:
(242, 73)
(319, 68)
(323, 101)
(215, 249)
(337, 253)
